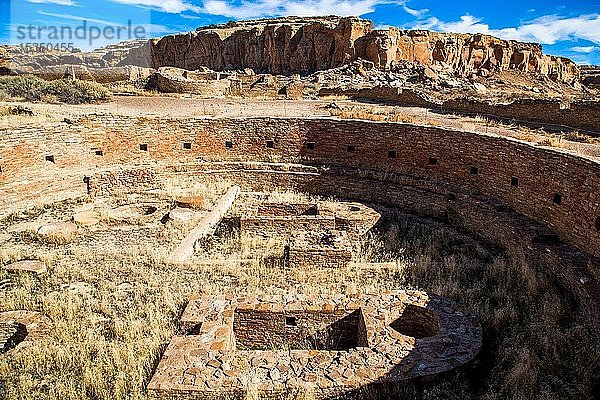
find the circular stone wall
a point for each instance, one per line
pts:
(328, 344)
(508, 192)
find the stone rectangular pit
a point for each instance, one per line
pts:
(299, 330)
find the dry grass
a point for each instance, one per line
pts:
(115, 303)
(372, 114)
(9, 119)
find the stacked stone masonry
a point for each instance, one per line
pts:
(320, 249)
(503, 190)
(542, 172)
(325, 345)
(267, 218)
(580, 114)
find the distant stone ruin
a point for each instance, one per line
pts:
(325, 345)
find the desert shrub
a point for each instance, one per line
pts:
(68, 91)
(22, 85)
(77, 92)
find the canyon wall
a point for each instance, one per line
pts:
(297, 45)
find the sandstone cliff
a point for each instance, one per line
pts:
(306, 45)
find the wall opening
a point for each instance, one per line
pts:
(194, 329)
(417, 322)
(514, 181)
(143, 147)
(270, 144)
(597, 218)
(187, 145)
(474, 170)
(550, 239)
(229, 144)
(392, 154)
(310, 145)
(299, 330)
(50, 158)
(433, 161)
(99, 153)
(558, 198)
(350, 148)
(11, 334)
(149, 210)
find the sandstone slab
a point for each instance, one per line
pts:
(193, 202)
(86, 218)
(181, 215)
(34, 324)
(35, 266)
(59, 232)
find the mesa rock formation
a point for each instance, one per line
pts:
(300, 45)
(305, 45)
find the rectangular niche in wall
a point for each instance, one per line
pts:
(310, 145)
(433, 161)
(99, 153)
(558, 198)
(474, 170)
(392, 154)
(50, 158)
(143, 147)
(187, 145)
(270, 144)
(351, 148)
(514, 181)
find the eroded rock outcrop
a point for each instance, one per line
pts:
(306, 45)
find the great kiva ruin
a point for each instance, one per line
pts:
(299, 208)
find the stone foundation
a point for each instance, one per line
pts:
(323, 345)
(320, 249)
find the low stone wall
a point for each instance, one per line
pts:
(319, 249)
(582, 114)
(322, 345)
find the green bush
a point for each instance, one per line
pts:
(68, 91)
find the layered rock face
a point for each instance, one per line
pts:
(306, 45)
(590, 76)
(465, 53)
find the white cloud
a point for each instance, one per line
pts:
(415, 13)
(169, 6)
(584, 49)
(548, 29)
(78, 18)
(263, 8)
(60, 2)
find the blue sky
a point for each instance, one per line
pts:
(566, 28)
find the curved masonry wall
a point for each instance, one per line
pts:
(470, 179)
